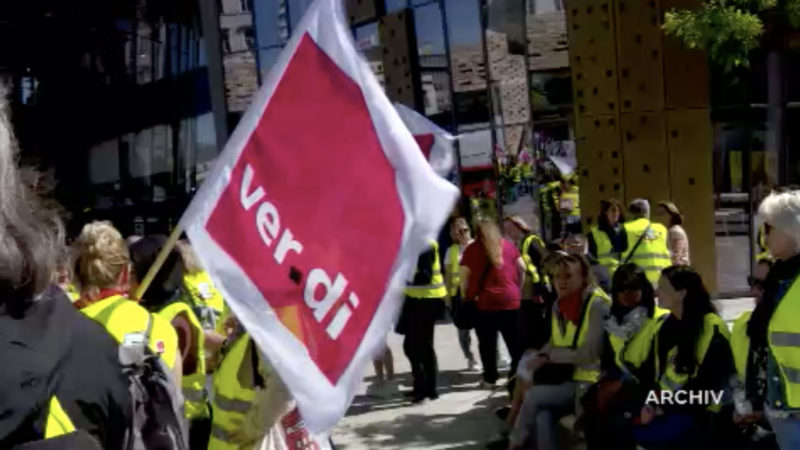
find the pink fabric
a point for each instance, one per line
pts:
(500, 288)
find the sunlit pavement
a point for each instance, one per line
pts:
(461, 418)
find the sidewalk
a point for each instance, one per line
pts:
(462, 418)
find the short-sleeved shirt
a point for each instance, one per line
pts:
(496, 288)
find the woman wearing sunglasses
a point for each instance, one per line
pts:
(774, 327)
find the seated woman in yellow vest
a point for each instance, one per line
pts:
(628, 361)
(165, 297)
(104, 269)
(562, 370)
(693, 357)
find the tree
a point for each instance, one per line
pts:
(728, 30)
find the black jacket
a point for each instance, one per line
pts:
(54, 350)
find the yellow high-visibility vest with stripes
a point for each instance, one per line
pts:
(652, 254)
(453, 266)
(436, 288)
(669, 379)
(783, 334)
(192, 384)
(231, 400)
(121, 316)
(635, 351)
(605, 251)
(589, 372)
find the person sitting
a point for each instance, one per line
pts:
(562, 370)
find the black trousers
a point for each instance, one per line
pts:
(487, 326)
(419, 317)
(533, 330)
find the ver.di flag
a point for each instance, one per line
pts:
(436, 144)
(315, 213)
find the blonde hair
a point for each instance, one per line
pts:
(492, 240)
(102, 256)
(190, 262)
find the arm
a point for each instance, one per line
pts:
(593, 347)
(521, 271)
(448, 275)
(271, 402)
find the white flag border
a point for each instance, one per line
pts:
(321, 403)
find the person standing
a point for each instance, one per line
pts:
(492, 274)
(607, 239)
(534, 288)
(569, 204)
(61, 380)
(423, 306)
(677, 239)
(462, 237)
(647, 241)
(773, 325)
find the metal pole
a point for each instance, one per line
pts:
(453, 112)
(483, 10)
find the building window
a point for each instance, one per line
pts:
(244, 5)
(226, 41)
(249, 37)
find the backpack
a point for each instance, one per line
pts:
(157, 418)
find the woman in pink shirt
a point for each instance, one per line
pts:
(492, 274)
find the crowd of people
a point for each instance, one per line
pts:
(600, 326)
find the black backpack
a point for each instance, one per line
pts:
(157, 418)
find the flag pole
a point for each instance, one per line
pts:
(162, 256)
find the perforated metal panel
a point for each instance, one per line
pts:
(645, 154)
(400, 59)
(593, 56)
(686, 74)
(690, 143)
(640, 55)
(364, 10)
(600, 166)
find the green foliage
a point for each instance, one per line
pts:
(727, 31)
(792, 8)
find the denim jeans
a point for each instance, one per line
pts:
(465, 341)
(787, 431)
(542, 408)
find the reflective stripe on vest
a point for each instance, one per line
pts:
(784, 345)
(437, 288)
(231, 400)
(589, 372)
(605, 251)
(652, 254)
(58, 422)
(634, 352)
(530, 267)
(121, 316)
(740, 345)
(670, 379)
(453, 266)
(192, 385)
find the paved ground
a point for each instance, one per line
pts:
(461, 419)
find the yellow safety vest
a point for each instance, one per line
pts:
(516, 173)
(436, 288)
(202, 290)
(121, 317)
(669, 379)
(193, 384)
(740, 344)
(605, 251)
(763, 250)
(652, 254)
(634, 352)
(73, 293)
(573, 197)
(231, 400)
(530, 267)
(566, 338)
(784, 345)
(453, 265)
(58, 422)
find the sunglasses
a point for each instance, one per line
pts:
(755, 282)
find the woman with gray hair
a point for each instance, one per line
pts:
(774, 325)
(47, 346)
